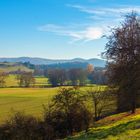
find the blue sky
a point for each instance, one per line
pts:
(59, 28)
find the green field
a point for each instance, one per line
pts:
(29, 100)
(11, 81)
(10, 67)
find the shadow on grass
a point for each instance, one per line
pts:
(104, 132)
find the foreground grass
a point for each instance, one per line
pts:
(117, 127)
(28, 100)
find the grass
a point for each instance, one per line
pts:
(41, 81)
(29, 100)
(9, 67)
(11, 81)
(122, 126)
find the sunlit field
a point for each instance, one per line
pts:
(28, 100)
(11, 81)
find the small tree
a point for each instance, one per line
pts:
(68, 113)
(99, 77)
(90, 68)
(25, 79)
(3, 77)
(99, 97)
(57, 76)
(62, 76)
(78, 76)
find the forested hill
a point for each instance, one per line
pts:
(42, 61)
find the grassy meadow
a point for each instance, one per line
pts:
(9, 67)
(31, 100)
(11, 81)
(28, 100)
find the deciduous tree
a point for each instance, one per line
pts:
(123, 53)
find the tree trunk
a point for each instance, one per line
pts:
(95, 111)
(133, 109)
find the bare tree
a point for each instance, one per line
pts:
(3, 77)
(100, 97)
(57, 77)
(25, 79)
(77, 76)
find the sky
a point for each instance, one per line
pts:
(59, 29)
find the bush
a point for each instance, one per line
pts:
(20, 127)
(67, 113)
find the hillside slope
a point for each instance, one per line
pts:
(12, 67)
(122, 126)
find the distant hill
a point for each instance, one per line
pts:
(42, 61)
(68, 65)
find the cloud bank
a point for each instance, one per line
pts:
(87, 34)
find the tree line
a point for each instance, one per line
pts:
(59, 77)
(76, 76)
(24, 79)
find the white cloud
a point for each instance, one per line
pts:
(87, 34)
(86, 9)
(108, 11)
(92, 33)
(100, 20)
